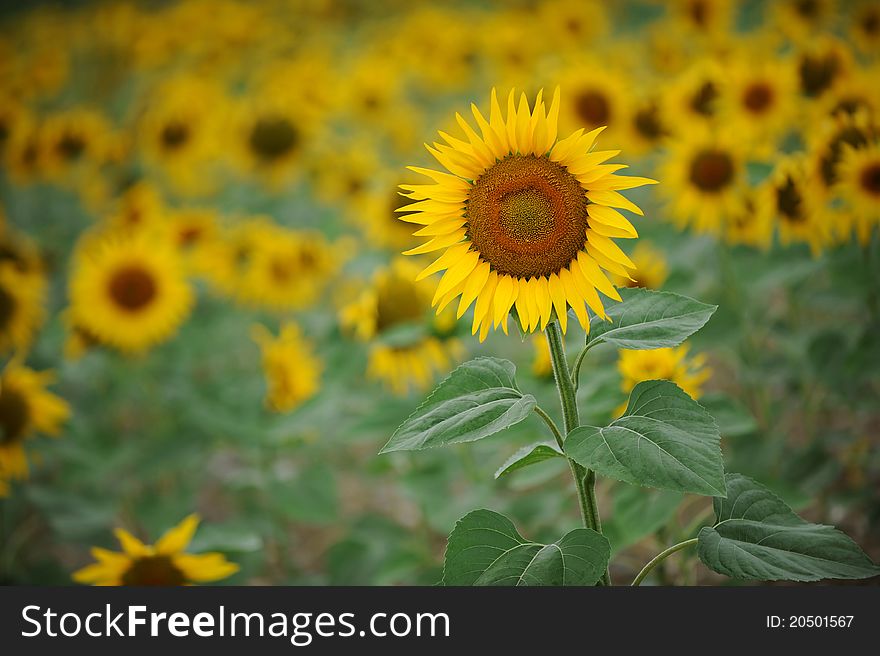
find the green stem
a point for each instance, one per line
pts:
(552, 424)
(584, 479)
(576, 370)
(660, 557)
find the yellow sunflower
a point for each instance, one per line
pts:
(704, 178)
(378, 214)
(139, 208)
(22, 306)
(707, 19)
(856, 93)
(864, 26)
(164, 564)
(75, 139)
(646, 125)
(827, 142)
(693, 97)
(789, 198)
(390, 313)
(293, 373)
(801, 19)
(26, 408)
(749, 227)
(858, 185)
(595, 97)
(194, 231)
(524, 220)
(569, 24)
(129, 292)
(651, 268)
(689, 373)
(821, 64)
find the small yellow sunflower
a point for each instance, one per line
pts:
(864, 27)
(827, 143)
(693, 97)
(129, 292)
(856, 93)
(749, 227)
(26, 408)
(801, 19)
(524, 220)
(194, 231)
(595, 96)
(139, 208)
(293, 373)
(704, 178)
(162, 564)
(79, 138)
(821, 64)
(708, 19)
(689, 373)
(22, 306)
(646, 125)
(569, 24)
(651, 268)
(858, 186)
(788, 197)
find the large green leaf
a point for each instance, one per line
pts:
(529, 455)
(665, 439)
(647, 319)
(759, 537)
(485, 548)
(476, 400)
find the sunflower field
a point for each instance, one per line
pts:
(218, 330)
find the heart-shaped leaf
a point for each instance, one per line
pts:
(664, 439)
(476, 400)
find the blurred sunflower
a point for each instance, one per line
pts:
(524, 220)
(788, 197)
(801, 19)
(595, 96)
(821, 64)
(864, 26)
(651, 269)
(704, 176)
(194, 231)
(542, 365)
(827, 142)
(129, 292)
(693, 97)
(689, 373)
(748, 226)
(22, 306)
(162, 564)
(79, 139)
(708, 19)
(646, 125)
(378, 214)
(26, 408)
(858, 185)
(569, 24)
(139, 208)
(390, 313)
(293, 373)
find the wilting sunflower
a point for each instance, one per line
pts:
(788, 197)
(406, 351)
(859, 186)
(663, 364)
(651, 268)
(524, 220)
(162, 564)
(129, 292)
(26, 408)
(704, 176)
(293, 373)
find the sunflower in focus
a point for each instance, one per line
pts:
(26, 408)
(293, 373)
(858, 186)
(129, 292)
(524, 221)
(788, 197)
(689, 373)
(651, 268)
(390, 314)
(164, 564)
(705, 178)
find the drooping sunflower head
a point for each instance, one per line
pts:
(524, 220)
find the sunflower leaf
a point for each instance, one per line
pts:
(485, 548)
(759, 537)
(529, 455)
(478, 399)
(647, 319)
(664, 439)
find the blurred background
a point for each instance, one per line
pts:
(203, 307)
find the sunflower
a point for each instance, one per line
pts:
(129, 292)
(864, 27)
(749, 227)
(139, 208)
(595, 97)
(801, 19)
(77, 139)
(856, 93)
(651, 268)
(22, 306)
(828, 141)
(194, 230)
(524, 220)
(293, 373)
(859, 186)
(26, 408)
(703, 18)
(646, 125)
(693, 97)
(378, 214)
(569, 24)
(821, 64)
(705, 178)
(390, 313)
(689, 373)
(789, 198)
(162, 564)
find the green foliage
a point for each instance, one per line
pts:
(478, 399)
(757, 536)
(485, 548)
(664, 439)
(529, 455)
(647, 319)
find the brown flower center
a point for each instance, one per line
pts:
(593, 107)
(397, 302)
(807, 8)
(14, 415)
(71, 146)
(870, 179)
(703, 101)
(272, 138)
(848, 136)
(282, 270)
(758, 97)
(7, 308)
(870, 22)
(153, 571)
(648, 124)
(527, 216)
(699, 12)
(132, 288)
(790, 202)
(712, 170)
(174, 135)
(817, 73)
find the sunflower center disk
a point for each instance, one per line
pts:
(132, 288)
(272, 138)
(711, 170)
(7, 308)
(870, 179)
(758, 98)
(153, 571)
(527, 216)
(14, 416)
